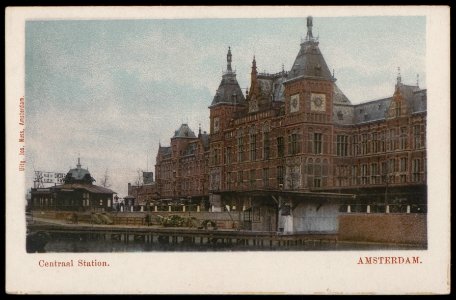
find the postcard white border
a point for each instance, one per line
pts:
(241, 272)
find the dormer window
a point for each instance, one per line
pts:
(398, 109)
(340, 115)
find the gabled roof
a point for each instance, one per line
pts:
(272, 84)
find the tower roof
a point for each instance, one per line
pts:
(310, 62)
(78, 174)
(229, 90)
(184, 131)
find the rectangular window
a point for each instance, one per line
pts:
(253, 147)
(375, 142)
(280, 147)
(391, 165)
(266, 145)
(418, 136)
(266, 177)
(280, 174)
(240, 148)
(248, 215)
(228, 180)
(317, 143)
(398, 109)
(252, 178)
(364, 144)
(240, 179)
(403, 139)
(375, 178)
(354, 175)
(403, 164)
(416, 170)
(293, 144)
(394, 139)
(382, 141)
(228, 155)
(364, 174)
(216, 157)
(342, 145)
(403, 178)
(317, 182)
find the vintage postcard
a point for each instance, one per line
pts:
(227, 150)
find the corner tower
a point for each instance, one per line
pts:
(228, 99)
(310, 83)
(309, 91)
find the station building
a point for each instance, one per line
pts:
(182, 168)
(294, 153)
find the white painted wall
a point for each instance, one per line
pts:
(307, 218)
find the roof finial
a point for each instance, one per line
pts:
(199, 129)
(228, 60)
(399, 79)
(283, 68)
(417, 80)
(309, 36)
(79, 161)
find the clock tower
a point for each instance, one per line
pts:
(308, 124)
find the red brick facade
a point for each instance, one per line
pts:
(181, 168)
(296, 131)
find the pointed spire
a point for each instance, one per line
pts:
(199, 129)
(399, 79)
(309, 35)
(79, 163)
(228, 60)
(254, 70)
(417, 80)
(283, 68)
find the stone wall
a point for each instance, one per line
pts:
(383, 228)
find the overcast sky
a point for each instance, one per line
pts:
(110, 91)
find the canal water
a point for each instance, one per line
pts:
(75, 244)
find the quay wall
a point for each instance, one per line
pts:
(224, 220)
(383, 228)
